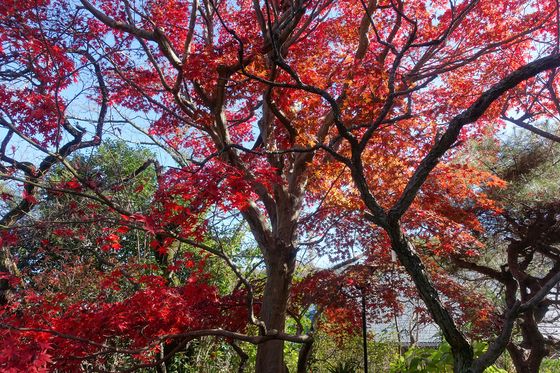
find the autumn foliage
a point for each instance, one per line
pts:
(337, 129)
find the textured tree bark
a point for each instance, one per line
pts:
(463, 362)
(462, 351)
(270, 354)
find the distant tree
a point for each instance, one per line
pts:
(66, 224)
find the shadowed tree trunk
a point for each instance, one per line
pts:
(280, 270)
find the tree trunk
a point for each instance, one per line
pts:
(462, 351)
(463, 362)
(517, 358)
(270, 354)
(303, 357)
(528, 356)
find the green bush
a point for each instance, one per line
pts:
(440, 360)
(550, 366)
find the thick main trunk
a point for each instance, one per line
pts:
(270, 355)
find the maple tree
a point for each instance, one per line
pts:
(328, 125)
